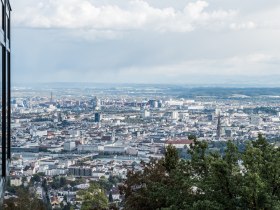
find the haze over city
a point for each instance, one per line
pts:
(137, 41)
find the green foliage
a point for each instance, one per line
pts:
(35, 178)
(149, 189)
(247, 179)
(59, 182)
(114, 180)
(105, 184)
(23, 179)
(111, 197)
(171, 158)
(25, 200)
(45, 184)
(93, 198)
(67, 207)
(77, 182)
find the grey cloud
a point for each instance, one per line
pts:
(242, 46)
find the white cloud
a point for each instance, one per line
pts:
(243, 25)
(255, 61)
(135, 15)
(255, 64)
(243, 41)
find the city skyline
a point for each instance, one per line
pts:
(140, 104)
(185, 42)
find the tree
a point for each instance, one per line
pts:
(67, 207)
(23, 179)
(111, 197)
(93, 198)
(220, 187)
(58, 182)
(114, 179)
(235, 179)
(35, 178)
(62, 181)
(105, 184)
(45, 185)
(147, 189)
(261, 162)
(171, 158)
(25, 200)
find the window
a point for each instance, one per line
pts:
(2, 15)
(1, 105)
(4, 113)
(8, 28)
(8, 70)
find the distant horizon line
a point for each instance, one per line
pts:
(119, 84)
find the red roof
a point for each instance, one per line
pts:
(181, 141)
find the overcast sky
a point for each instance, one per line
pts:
(146, 41)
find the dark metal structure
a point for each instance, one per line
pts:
(5, 78)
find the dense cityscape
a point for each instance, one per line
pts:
(63, 138)
(139, 105)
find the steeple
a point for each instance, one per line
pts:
(218, 136)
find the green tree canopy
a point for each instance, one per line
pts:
(93, 198)
(247, 179)
(25, 200)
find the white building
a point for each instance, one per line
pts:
(87, 148)
(114, 150)
(56, 172)
(145, 113)
(69, 146)
(179, 144)
(174, 115)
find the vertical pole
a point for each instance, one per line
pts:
(4, 95)
(4, 113)
(9, 106)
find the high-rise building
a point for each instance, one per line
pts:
(153, 103)
(97, 117)
(96, 103)
(5, 64)
(174, 115)
(145, 113)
